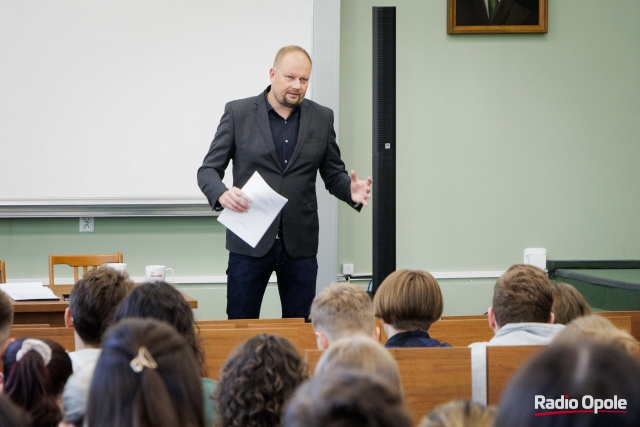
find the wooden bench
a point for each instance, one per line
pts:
(244, 323)
(634, 316)
(430, 376)
(306, 338)
(63, 336)
(218, 344)
(502, 363)
(31, 325)
(461, 333)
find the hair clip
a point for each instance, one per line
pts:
(142, 360)
(39, 346)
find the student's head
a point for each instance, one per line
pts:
(599, 329)
(93, 301)
(161, 301)
(146, 376)
(257, 380)
(460, 413)
(35, 372)
(75, 394)
(6, 320)
(362, 353)
(522, 294)
(290, 76)
(342, 310)
(347, 398)
(573, 371)
(568, 303)
(409, 300)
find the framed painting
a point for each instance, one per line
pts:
(496, 16)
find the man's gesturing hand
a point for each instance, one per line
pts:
(360, 190)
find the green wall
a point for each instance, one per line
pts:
(504, 142)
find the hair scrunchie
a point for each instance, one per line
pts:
(39, 346)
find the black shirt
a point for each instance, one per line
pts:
(284, 131)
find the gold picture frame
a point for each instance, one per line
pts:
(510, 16)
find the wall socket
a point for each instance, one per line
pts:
(347, 269)
(86, 224)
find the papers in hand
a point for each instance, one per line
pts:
(28, 291)
(264, 207)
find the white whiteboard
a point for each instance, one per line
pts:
(116, 101)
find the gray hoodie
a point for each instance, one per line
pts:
(509, 334)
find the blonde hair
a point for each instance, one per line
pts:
(568, 303)
(342, 310)
(599, 329)
(409, 300)
(362, 353)
(287, 50)
(460, 413)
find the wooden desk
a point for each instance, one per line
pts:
(52, 312)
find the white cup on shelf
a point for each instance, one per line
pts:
(158, 273)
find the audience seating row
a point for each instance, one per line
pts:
(430, 376)
(634, 317)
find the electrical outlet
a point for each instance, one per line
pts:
(347, 269)
(86, 224)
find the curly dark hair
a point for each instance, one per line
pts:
(256, 382)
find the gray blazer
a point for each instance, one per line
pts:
(244, 135)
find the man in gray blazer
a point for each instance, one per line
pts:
(287, 139)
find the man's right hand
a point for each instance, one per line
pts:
(235, 200)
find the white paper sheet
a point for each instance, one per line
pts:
(265, 206)
(28, 291)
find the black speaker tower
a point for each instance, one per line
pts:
(384, 143)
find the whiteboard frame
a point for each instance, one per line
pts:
(326, 24)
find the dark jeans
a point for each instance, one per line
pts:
(247, 279)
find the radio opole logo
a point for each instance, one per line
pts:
(587, 403)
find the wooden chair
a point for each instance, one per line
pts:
(461, 333)
(3, 272)
(244, 323)
(84, 261)
(63, 336)
(218, 344)
(502, 363)
(430, 376)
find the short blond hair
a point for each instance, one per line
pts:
(460, 413)
(342, 310)
(362, 353)
(409, 300)
(599, 329)
(286, 51)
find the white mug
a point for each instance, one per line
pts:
(157, 273)
(117, 266)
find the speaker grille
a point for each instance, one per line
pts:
(384, 143)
